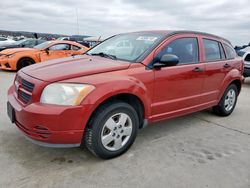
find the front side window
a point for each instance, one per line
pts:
(212, 50)
(222, 52)
(60, 47)
(186, 49)
(231, 54)
(128, 47)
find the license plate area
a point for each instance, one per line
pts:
(11, 113)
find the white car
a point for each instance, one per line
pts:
(5, 41)
(246, 58)
(245, 54)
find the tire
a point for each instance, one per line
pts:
(227, 104)
(24, 62)
(107, 136)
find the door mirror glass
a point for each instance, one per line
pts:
(167, 60)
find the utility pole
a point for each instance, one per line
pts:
(77, 21)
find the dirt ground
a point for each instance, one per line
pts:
(198, 150)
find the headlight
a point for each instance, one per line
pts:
(65, 93)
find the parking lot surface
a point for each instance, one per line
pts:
(198, 150)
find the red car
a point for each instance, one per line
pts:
(102, 98)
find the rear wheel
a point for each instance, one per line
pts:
(24, 62)
(112, 130)
(227, 102)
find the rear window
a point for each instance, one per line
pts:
(75, 47)
(212, 50)
(231, 54)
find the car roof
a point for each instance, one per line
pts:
(168, 33)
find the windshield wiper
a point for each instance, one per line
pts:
(101, 54)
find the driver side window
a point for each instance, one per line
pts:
(186, 49)
(60, 47)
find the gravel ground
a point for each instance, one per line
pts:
(198, 150)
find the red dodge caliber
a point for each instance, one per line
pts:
(103, 97)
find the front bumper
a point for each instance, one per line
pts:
(5, 65)
(50, 125)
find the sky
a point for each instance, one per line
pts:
(226, 18)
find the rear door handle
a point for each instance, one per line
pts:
(227, 65)
(198, 69)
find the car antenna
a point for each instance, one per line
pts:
(98, 40)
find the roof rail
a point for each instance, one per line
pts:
(201, 33)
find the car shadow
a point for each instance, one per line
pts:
(31, 156)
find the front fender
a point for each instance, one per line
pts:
(119, 85)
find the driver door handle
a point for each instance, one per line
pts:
(198, 69)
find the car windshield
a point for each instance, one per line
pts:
(42, 45)
(128, 47)
(20, 41)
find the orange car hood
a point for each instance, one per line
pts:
(16, 50)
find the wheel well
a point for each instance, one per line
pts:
(19, 65)
(132, 100)
(238, 84)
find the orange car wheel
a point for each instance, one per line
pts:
(24, 62)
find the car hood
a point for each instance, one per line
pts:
(72, 67)
(16, 50)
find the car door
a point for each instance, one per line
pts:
(177, 89)
(216, 66)
(55, 51)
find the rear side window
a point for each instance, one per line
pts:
(212, 50)
(75, 48)
(185, 48)
(60, 47)
(231, 54)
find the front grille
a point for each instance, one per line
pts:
(27, 85)
(24, 96)
(24, 89)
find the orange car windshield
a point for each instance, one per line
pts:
(42, 45)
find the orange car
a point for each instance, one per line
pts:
(17, 58)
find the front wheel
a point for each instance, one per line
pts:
(112, 130)
(227, 102)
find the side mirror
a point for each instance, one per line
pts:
(167, 60)
(46, 50)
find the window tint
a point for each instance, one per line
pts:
(231, 54)
(212, 50)
(60, 47)
(75, 47)
(185, 48)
